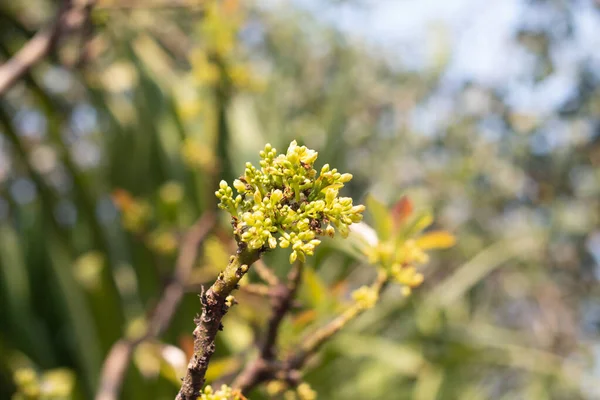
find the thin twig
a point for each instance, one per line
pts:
(257, 289)
(117, 361)
(265, 273)
(185, 262)
(281, 306)
(71, 16)
(266, 367)
(263, 366)
(114, 369)
(314, 341)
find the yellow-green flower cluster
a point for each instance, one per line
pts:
(52, 385)
(162, 241)
(398, 244)
(365, 296)
(302, 392)
(305, 392)
(400, 259)
(198, 156)
(286, 200)
(225, 393)
(171, 193)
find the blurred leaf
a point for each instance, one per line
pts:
(17, 301)
(382, 221)
(174, 363)
(436, 240)
(401, 211)
(403, 359)
(429, 382)
(314, 289)
(469, 274)
(222, 367)
(78, 319)
(420, 222)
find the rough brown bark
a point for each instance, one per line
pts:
(214, 307)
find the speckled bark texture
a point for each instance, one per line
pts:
(214, 307)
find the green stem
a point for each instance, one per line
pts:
(319, 337)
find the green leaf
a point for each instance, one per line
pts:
(404, 359)
(314, 290)
(419, 223)
(382, 219)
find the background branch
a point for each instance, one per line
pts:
(267, 367)
(71, 16)
(265, 273)
(264, 366)
(313, 342)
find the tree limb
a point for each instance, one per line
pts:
(117, 361)
(214, 307)
(71, 15)
(266, 274)
(265, 366)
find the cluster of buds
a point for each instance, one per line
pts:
(198, 156)
(281, 389)
(398, 244)
(53, 384)
(400, 258)
(225, 393)
(366, 297)
(287, 202)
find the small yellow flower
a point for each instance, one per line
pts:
(275, 387)
(406, 275)
(198, 156)
(171, 193)
(397, 245)
(305, 392)
(365, 297)
(224, 393)
(204, 71)
(163, 242)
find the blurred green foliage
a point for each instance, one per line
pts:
(103, 165)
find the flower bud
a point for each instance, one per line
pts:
(345, 178)
(330, 231)
(239, 186)
(272, 242)
(276, 196)
(343, 229)
(257, 197)
(330, 195)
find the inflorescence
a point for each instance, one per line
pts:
(225, 393)
(287, 201)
